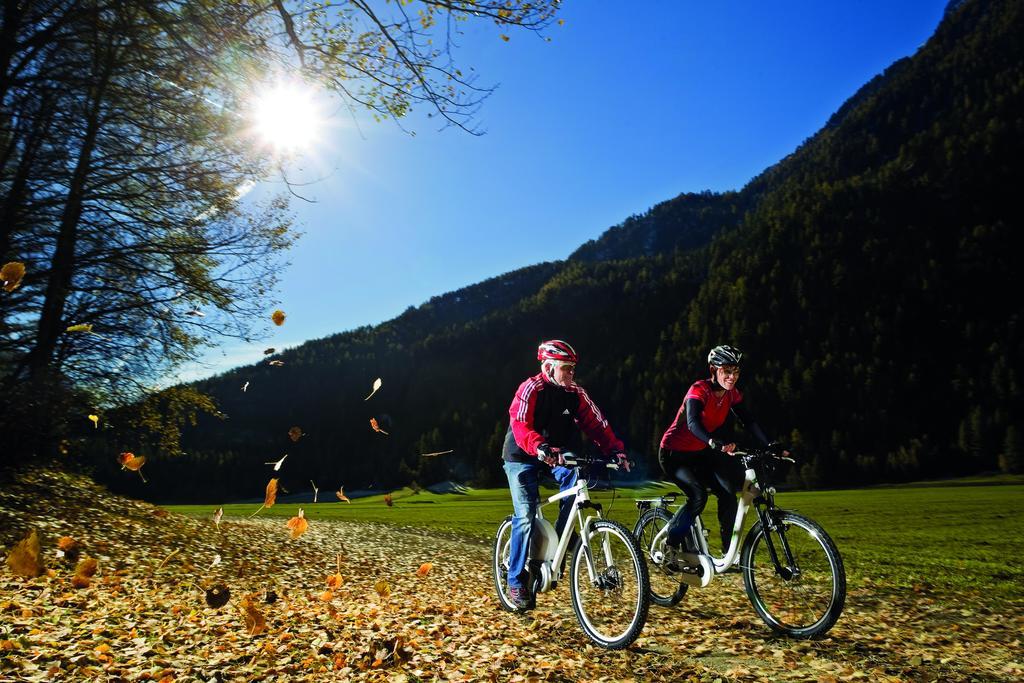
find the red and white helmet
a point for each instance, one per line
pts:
(556, 350)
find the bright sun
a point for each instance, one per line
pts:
(286, 116)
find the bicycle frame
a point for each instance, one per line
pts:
(553, 553)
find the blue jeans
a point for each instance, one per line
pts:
(524, 484)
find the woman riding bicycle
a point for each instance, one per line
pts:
(543, 418)
(690, 454)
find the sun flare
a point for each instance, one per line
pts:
(286, 116)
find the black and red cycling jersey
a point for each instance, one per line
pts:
(702, 413)
(545, 412)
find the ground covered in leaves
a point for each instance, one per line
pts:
(351, 600)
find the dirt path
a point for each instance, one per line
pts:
(142, 621)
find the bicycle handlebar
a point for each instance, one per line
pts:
(573, 460)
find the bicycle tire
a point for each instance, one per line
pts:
(667, 589)
(806, 538)
(499, 564)
(611, 585)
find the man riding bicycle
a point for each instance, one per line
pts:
(543, 420)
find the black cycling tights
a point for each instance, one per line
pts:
(695, 472)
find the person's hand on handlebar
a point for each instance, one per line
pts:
(549, 455)
(621, 460)
(724, 447)
(778, 450)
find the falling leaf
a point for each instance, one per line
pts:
(277, 464)
(298, 524)
(267, 352)
(376, 427)
(95, 419)
(197, 313)
(269, 498)
(340, 493)
(295, 433)
(424, 569)
(271, 495)
(505, 38)
(216, 561)
(160, 512)
(67, 544)
(217, 516)
(244, 387)
(278, 317)
(132, 462)
(275, 363)
(24, 557)
(218, 596)
(388, 500)
(431, 455)
(382, 588)
(315, 490)
(327, 596)
(84, 572)
(255, 623)
(168, 558)
(84, 327)
(376, 385)
(335, 581)
(11, 274)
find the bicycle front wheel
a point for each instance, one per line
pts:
(609, 585)
(803, 594)
(500, 562)
(666, 587)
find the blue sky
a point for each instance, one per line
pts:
(630, 104)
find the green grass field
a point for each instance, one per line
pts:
(957, 536)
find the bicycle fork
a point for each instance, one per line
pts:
(773, 529)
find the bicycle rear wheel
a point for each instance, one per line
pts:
(610, 592)
(666, 587)
(803, 597)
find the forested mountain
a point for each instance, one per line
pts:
(868, 277)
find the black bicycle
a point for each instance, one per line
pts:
(792, 570)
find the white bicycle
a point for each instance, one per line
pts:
(608, 581)
(792, 570)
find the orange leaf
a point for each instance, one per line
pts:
(376, 427)
(79, 581)
(298, 524)
(87, 567)
(424, 569)
(271, 496)
(388, 500)
(278, 317)
(340, 493)
(131, 461)
(11, 275)
(335, 581)
(160, 512)
(24, 556)
(66, 543)
(327, 596)
(295, 433)
(255, 623)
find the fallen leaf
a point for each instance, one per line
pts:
(376, 385)
(298, 524)
(424, 569)
(11, 274)
(95, 419)
(295, 433)
(382, 588)
(340, 493)
(84, 327)
(376, 427)
(24, 557)
(160, 512)
(218, 596)
(278, 317)
(255, 623)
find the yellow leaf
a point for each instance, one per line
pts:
(95, 419)
(278, 317)
(382, 588)
(271, 496)
(504, 37)
(84, 327)
(24, 557)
